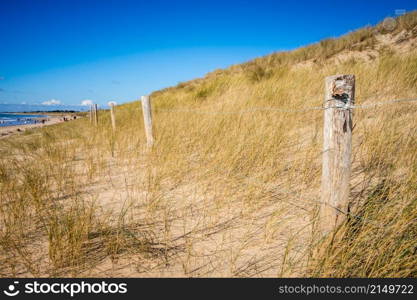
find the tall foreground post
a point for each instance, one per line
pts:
(113, 117)
(95, 115)
(147, 118)
(337, 148)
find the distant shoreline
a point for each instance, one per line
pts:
(11, 119)
(50, 119)
(42, 112)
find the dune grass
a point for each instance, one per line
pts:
(229, 189)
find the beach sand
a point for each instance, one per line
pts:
(16, 129)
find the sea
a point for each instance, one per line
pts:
(11, 114)
(18, 119)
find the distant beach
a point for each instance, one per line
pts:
(16, 118)
(12, 119)
(38, 109)
(11, 123)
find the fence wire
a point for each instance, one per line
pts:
(287, 110)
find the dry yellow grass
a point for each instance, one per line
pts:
(223, 193)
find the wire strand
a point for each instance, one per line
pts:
(289, 110)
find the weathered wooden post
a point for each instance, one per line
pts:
(91, 114)
(147, 118)
(95, 115)
(113, 117)
(337, 147)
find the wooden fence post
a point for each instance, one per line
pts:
(91, 114)
(113, 117)
(337, 148)
(95, 115)
(147, 118)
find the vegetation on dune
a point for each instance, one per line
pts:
(223, 193)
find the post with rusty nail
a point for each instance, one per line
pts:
(113, 117)
(147, 118)
(95, 115)
(337, 148)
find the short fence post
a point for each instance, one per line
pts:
(95, 115)
(337, 148)
(147, 118)
(91, 114)
(113, 117)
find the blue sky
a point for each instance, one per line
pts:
(102, 50)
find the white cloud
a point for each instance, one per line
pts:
(52, 102)
(24, 102)
(87, 102)
(112, 102)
